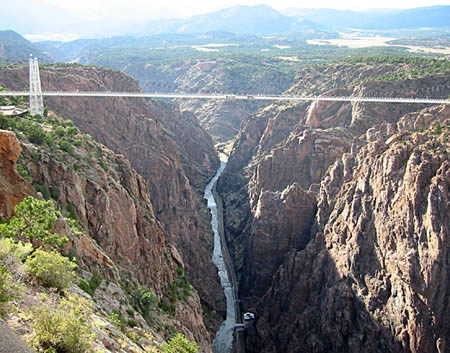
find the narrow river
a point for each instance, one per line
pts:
(223, 343)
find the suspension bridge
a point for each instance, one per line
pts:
(36, 95)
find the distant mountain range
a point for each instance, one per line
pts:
(260, 19)
(421, 17)
(16, 49)
(263, 19)
(239, 24)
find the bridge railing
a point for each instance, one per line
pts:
(231, 96)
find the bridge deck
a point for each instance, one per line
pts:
(232, 97)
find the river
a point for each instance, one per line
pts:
(223, 343)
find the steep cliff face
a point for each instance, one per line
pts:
(286, 144)
(13, 187)
(375, 276)
(118, 236)
(171, 152)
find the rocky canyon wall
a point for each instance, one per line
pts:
(274, 211)
(375, 276)
(169, 149)
(219, 118)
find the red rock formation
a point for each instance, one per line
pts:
(285, 144)
(122, 238)
(13, 188)
(375, 277)
(171, 151)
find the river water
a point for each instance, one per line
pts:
(223, 343)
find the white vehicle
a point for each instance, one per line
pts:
(249, 316)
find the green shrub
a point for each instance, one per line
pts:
(84, 285)
(66, 146)
(35, 134)
(9, 291)
(92, 285)
(437, 129)
(167, 307)
(51, 269)
(34, 220)
(18, 249)
(145, 300)
(71, 131)
(49, 140)
(54, 193)
(43, 189)
(63, 328)
(117, 319)
(103, 165)
(71, 211)
(59, 131)
(132, 336)
(4, 122)
(35, 155)
(132, 323)
(22, 171)
(72, 255)
(179, 344)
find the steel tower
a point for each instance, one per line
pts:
(36, 101)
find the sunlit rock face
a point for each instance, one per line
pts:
(13, 187)
(169, 149)
(278, 246)
(375, 276)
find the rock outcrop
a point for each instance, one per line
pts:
(13, 188)
(117, 235)
(375, 276)
(294, 144)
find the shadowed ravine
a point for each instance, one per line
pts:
(223, 342)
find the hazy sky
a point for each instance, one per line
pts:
(69, 19)
(190, 7)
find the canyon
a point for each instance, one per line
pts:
(176, 159)
(221, 119)
(335, 213)
(315, 256)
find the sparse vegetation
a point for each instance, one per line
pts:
(63, 327)
(117, 319)
(90, 287)
(145, 300)
(34, 221)
(9, 291)
(19, 250)
(437, 129)
(408, 67)
(51, 269)
(179, 344)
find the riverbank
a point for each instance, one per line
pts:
(223, 342)
(238, 342)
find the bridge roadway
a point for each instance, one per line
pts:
(230, 96)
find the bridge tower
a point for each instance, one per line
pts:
(36, 101)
